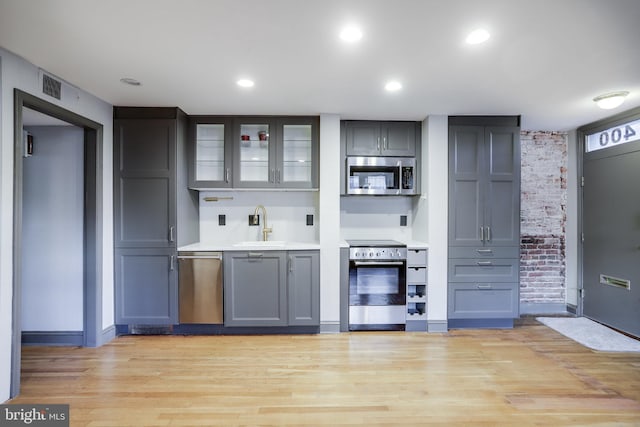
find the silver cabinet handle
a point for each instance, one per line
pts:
(256, 254)
(171, 262)
(378, 143)
(171, 233)
(278, 175)
(226, 175)
(488, 234)
(484, 263)
(484, 251)
(482, 234)
(290, 265)
(385, 144)
(481, 286)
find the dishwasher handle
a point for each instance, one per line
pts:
(212, 256)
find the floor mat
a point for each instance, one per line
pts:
(591, 334)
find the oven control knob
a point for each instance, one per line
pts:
(378, 254)
(370, 254)
(398, 253)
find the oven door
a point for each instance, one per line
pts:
(377, 283)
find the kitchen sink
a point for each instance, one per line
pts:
(260, 243)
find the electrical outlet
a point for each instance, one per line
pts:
(222, 220)
(309, 219)
(403, 220)
(251, 220)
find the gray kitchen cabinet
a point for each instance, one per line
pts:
(416, 289)
(374, 138)
(273, 152)
(484, 220)
(483, 300)
(271, 288)
(210, 152)
(255, 288)
(153, 210)
(146, 286)
(303, 286)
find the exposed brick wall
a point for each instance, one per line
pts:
(543, 217)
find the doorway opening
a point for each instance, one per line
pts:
(86, 322)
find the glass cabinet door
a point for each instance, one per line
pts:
(254, 154)
(296, 153)
(210, 161)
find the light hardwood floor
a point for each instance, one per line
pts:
(528, 376)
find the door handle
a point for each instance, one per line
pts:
(290, 265)
(482, 234)
(171, 261)
(226, 175)
(385, 144)
(488, 234)
(171, 233)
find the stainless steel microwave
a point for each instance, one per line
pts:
(381, 176)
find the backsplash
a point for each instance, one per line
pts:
(286, 214)
(371, 217)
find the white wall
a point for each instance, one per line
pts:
(435, 149)
(286, 215)
(19, 73)
(330, 222)
(52, 230)
(572, 240)
(370, 217)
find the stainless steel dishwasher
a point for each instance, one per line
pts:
(200, 284)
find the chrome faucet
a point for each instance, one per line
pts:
(265, 230)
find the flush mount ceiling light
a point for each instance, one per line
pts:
(351, 34)
(393, 86)
(477, 36)
(245, 83)
(611, 100)
(129, 81)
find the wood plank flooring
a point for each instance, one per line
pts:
(528, 376)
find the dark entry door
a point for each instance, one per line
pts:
(611, 225)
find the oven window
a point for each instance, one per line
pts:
(378, 280)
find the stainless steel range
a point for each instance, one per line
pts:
(377, 285)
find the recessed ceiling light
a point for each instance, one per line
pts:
(478, 36)
(351, 34)
(130, 81)
(393, 86)
(245, 83)
(611, 100)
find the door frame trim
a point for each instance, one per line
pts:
(93, 225)
(582, 131)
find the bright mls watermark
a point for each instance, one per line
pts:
(34, 415)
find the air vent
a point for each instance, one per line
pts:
(51, 86)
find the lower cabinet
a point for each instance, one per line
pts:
(271, 288)
(146, 286)
(483, 300)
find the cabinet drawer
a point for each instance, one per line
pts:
(483, 300)
(484, 252)
(417, 257)
(416, 274)
(484, 270)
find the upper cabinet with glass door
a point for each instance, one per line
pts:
(276, 152)
(211, 153)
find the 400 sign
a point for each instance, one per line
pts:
(617, 135)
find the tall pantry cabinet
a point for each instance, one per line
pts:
(484, 221)
(154, 212)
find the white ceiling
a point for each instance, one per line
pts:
(545, 60)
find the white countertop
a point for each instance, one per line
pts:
(250, 246)
(273, 246)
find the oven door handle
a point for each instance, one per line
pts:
(357, 263)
